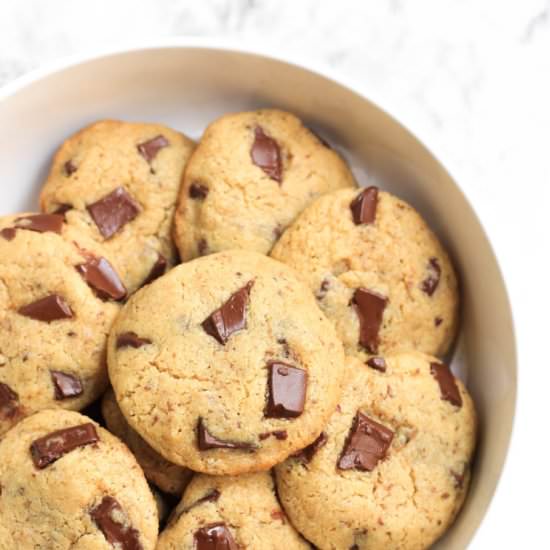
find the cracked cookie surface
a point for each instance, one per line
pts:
(66, 483)
(392, 467)
(226, 365)
(377, 272)
(250, 176)
(240, 510)
(119, 181)
(53, 321)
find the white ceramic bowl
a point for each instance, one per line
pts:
(186, 85)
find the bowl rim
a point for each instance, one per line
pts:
(289, 56)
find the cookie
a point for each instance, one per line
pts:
(58, 300)
(250, 176)
(377, 271)
(119, 181)
(225, 365)
(67, 483)
(230, 513)
(391, 468)
(168, 477)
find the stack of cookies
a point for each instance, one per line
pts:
(254, 344)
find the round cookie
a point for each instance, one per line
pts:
(119, 181)
(226, 365)
(377, 272)
(67, 483)
(234, 512)
(57, 305)
(250, 176)
(391, 469)
(168, 477)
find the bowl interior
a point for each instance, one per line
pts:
(188, 87)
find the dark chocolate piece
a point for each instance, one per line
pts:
(69, 167)
(8, 233)
(307, 453)
(50, 308)
(53, 446)
(215, 536)
(447, 383)
(158, 270)
(207, 441)
(266, 154)
(9, 402)
(286, 391)
(281, 435)
(66, 385)
(198, 191)
(363, 207)
(430, 283)
(112, 521)
(100, 275)
(230, 317)
(438, 321)
(369, 306)
(113, 211)
(377, 363)
(62, 209)
(41, 223)
(149, 149)
(367, 444)
(131, 339)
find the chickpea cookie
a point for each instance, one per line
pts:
(168, 477)
(391, 468)
(69, 484)
(250, 176)
(226, 365)
(230, 513)
(377, 272)
(58, 300)
(119, 181)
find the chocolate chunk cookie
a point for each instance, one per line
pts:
(391, 468)
(67, 483)
(230, 513)
(118, 181)
(226, 365)
(58, 298)
(168, 477)
(377, 271)
(250, 176)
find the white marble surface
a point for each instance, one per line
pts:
(473, 76)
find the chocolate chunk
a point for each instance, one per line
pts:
(207, 441)
(215, 536)
(149, 149)
(113, 211)
(66, 385)
(363, 207)
(53, 446)
(113, 522)
(9, 401)
(50, 308)
(41, 223)
(369, 306)
(264, 435)
(266, 154)
(307, 453)
(62, 209)
(366, 445)
(438, 321)
(158, 270)
(70, 168)
(131, 339)
(198, 191)
(431, 282)
(286, 391)
(447, 384)
(377, 363)
(8, 233)
(229, 318)
(281, 435)
(100, 275)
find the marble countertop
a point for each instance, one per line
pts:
(473, 76)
